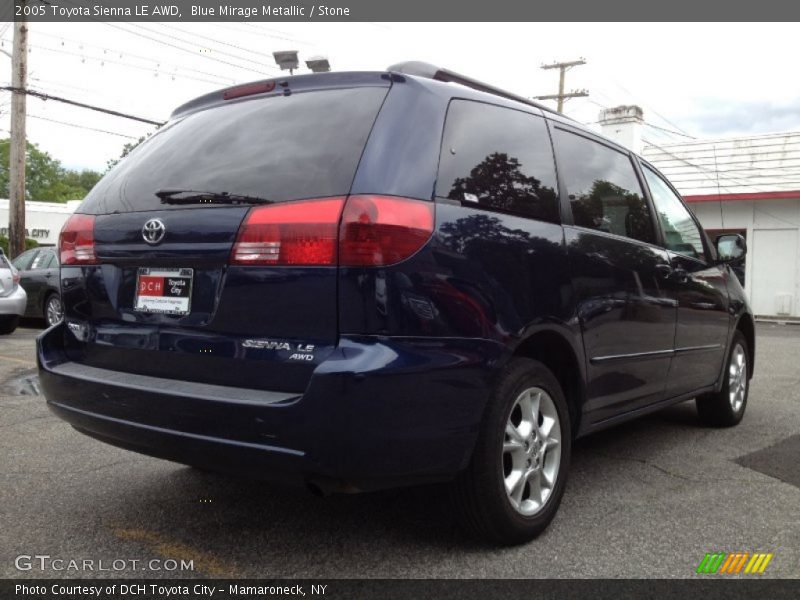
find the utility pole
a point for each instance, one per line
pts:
(19, 81)
(563, 67)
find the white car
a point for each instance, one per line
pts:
(12, 297)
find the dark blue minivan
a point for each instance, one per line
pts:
(365, 280)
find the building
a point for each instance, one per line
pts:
(43, 220)
(748, 185)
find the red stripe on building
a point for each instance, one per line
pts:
(791, 194)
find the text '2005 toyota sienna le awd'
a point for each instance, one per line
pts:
(366, 280)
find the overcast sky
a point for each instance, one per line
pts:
(705, 80)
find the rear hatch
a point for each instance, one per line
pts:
(166, 271)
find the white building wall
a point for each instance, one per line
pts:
(772, 269)
(751, 166)
(43, 220)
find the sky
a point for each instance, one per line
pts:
(698, 80)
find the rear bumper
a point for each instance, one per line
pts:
(379, 412)
(14, 303)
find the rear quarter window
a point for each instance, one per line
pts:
(498, 158)
(23, 261)
(304, 145)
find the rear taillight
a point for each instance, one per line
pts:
(298, 233)
(383, 230)
(15, 278)
(359, 231)
(76, 243)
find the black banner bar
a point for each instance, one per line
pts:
(707, 588)
(398, 11)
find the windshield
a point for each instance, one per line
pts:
(304, 145)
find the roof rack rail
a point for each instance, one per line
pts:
(429, 71)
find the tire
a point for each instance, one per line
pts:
(483, 504)
(726, 407)
(53, 309)
(8, 324)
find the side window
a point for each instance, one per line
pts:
(42, 260)
(681, 233)
(23, 261)
(498, 158)
(604, 192)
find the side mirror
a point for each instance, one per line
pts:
(731, 248)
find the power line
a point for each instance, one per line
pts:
(158, 41)
(112, 61)
(655, 112)
(216, 41)
(192, 52)
(159, 63)
(76, 125)
(670, 131)
(661, 131)
(259, 30)
(43, 96)
(205, 38)
(609, 77)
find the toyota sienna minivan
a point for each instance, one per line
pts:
(356, 281)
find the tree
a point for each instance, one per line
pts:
(29, 243)
(498, 181)
(128, 148)
(46, 180)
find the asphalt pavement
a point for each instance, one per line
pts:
(646, 499)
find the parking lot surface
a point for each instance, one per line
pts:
(646, 499)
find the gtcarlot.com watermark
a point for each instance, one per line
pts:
(45, 562)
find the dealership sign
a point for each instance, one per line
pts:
(36, 234)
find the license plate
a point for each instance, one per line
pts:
(167, 291)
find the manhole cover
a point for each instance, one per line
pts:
(778, 461)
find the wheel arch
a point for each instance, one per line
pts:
(554, 350)
(746, 325)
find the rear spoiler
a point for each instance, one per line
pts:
(428, 71)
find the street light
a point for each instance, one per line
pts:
(287, 60)
(318, 64)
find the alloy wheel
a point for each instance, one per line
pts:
(531, 451)
(737, 378)
(55, 311)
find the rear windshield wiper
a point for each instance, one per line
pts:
(195, 197)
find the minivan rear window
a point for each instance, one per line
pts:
(286, 147)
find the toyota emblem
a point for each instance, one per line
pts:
(153, 231)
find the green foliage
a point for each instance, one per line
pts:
(128, 148)
(46, 180)
(29, 243)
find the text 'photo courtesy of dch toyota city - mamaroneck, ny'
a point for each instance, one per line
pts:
(411, 300)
